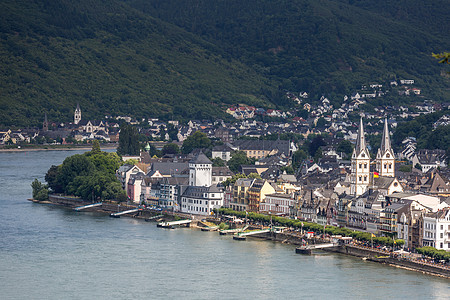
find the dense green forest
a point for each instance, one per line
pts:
(191, 58)
(324, 47)
(112, 60)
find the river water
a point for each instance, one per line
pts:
(49, 252)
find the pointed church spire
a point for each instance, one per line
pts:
(360, 141)
(385, 141)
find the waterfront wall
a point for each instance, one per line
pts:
(380, 257)
(359, 251)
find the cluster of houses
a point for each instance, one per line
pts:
(360, 193)
(79, 130)
(243, 111)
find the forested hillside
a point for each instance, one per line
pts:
(112, 60)
(191, 58)
(321, 46)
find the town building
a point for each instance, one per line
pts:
(257, 193)
(436, 229)
(201, 200)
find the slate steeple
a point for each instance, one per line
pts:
(385, 155)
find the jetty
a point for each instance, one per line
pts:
(88, 206)
(308, 248)
(173, 223)
(240, 236)
(118, 214)
(232, 231)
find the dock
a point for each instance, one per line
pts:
(88, 206)
(173, 223)
(308, 248)
(118, 214)
(232, 231)
(240, 236)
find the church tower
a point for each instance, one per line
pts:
(385, 155)
(360, 164)
(45, 124)
(77, 115)
(200, 171)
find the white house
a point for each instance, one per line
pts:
(124, 172)
(436, 229)
(201, 200)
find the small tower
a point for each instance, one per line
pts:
(77, 115)
(385, 155)
(45, 124)
(200, 171)
(360, 166)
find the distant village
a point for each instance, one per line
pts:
(355, 191)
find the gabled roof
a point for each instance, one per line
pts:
(200, 158)
(221, 171)
(383, 182)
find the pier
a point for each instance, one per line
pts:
(308, 248)
(173, 223)
(88, 206)
(232, 231)
(242, 235)
(118, 214)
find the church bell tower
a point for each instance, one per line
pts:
(385, 155)
(77, 115)
(360, 165)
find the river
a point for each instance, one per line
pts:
(49, 252)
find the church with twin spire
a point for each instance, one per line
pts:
(362, 177)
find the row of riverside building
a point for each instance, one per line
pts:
(365, 194)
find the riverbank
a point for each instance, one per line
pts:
(367, 253)
(355, 250)
(54, 147)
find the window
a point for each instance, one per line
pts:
(442, 236)
(388, 155)
(360, 166)
(360, 178)
(390, 166)
(365, 178)
(442, 227)
(442, 245)
(365, 166)
(363, 155)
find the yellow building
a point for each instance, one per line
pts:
(257, 193)
(239, 200)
